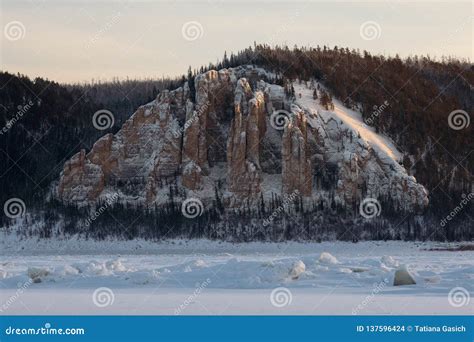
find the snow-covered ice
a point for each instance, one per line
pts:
(60, 277)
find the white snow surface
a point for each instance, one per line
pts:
(382, 144)
(204, 277)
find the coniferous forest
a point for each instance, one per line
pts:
(45, 123)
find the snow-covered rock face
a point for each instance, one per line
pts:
(81, 180)
(296, 167)
(144, 151)
(244, 142)
(366, 163)
(224, 142)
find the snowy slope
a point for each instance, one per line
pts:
(367, 163)
(382, 144)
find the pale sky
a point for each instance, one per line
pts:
(75, 41)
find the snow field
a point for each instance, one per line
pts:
(223, 278)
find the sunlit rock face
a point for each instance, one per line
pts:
(296, 167)
(243, 143)
(222, 144)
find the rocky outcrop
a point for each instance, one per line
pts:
(363, 172)
(144, 151)
(202, 120)
(341, 155)
(194, 146)
(296, 167)
(243, 145)
(274, 96)
(81, 180)
(220, 142)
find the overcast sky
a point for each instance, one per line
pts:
(74, 41)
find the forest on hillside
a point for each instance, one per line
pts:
(47, 122)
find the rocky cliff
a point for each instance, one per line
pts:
(228, 141)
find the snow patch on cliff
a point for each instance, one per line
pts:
(352, 119)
